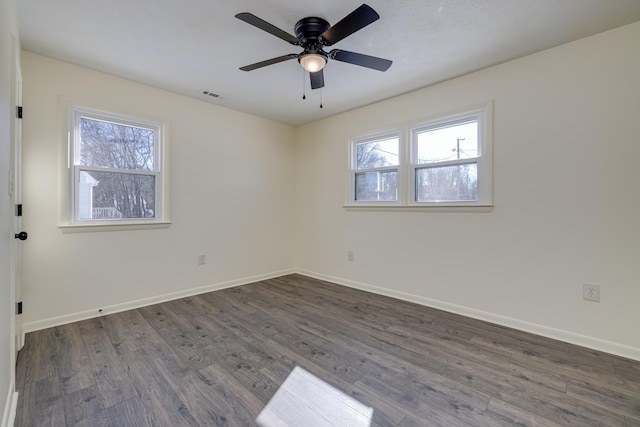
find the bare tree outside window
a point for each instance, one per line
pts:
(378, 161)
(377, 154)
(378, 185)
(447, 183)
(119, 160)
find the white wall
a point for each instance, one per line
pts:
(231, 189)
(566, 195)
(8, 31)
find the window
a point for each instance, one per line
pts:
(375, 161)
(116, 173)
(445, 158)
(448, 163)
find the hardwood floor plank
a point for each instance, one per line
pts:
(505, 414)
(123, 332)
(427, 404)
(131, 413)
(111, 378)
(333, 358)
(431, 421)
(595, 393)
(575, 372)
(519, 390)
(627, 368)
(40, 352)
(45, 403)
(213, 402)
(232, 390)
(205, 405)
(562, 409)
(84, 408)
(234, 301)
(566, 363)
(173, 331)
(433, 390)
(632, 423)
(74, 369)
(130, 331)
(157, 394)
(220, 357)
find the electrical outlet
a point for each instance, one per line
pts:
(350, 256)
(591, 292)
(202, 259)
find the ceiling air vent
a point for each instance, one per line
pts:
(212, 94)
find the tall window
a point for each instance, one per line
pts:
(116, 168)
(448, 163)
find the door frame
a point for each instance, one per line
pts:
(15, 185)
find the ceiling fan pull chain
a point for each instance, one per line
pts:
(320, 97)
(304, 95)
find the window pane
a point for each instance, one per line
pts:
(111, 145)
(377, 186)
(459, 141)
(377, 154)
(109, 195)
(447, 183)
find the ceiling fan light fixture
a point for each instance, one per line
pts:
(313, 62)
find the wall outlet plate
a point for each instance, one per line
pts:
(591, 292)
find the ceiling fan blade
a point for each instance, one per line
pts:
(354, 58)
(356, 20)
(250, 18)
(317, 79)
(268, 62)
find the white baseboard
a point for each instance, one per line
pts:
(534, 328)
(129, 305)
(9, 414)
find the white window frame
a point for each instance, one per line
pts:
(354, 171)
(408, 162)
(483, 159)
(74, 166)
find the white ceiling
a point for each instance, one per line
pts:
(195, 45)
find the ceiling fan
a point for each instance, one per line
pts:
(313, 34)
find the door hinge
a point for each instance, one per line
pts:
(19, 209)
(19, 307)
(19, 111)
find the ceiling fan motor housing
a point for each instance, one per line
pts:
(308, 31)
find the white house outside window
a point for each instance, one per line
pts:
(116, 174)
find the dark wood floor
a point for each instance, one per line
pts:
(218, 358)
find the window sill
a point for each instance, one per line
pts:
(89, 228)
(416, 208)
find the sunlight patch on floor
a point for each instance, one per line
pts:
(305, 400)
